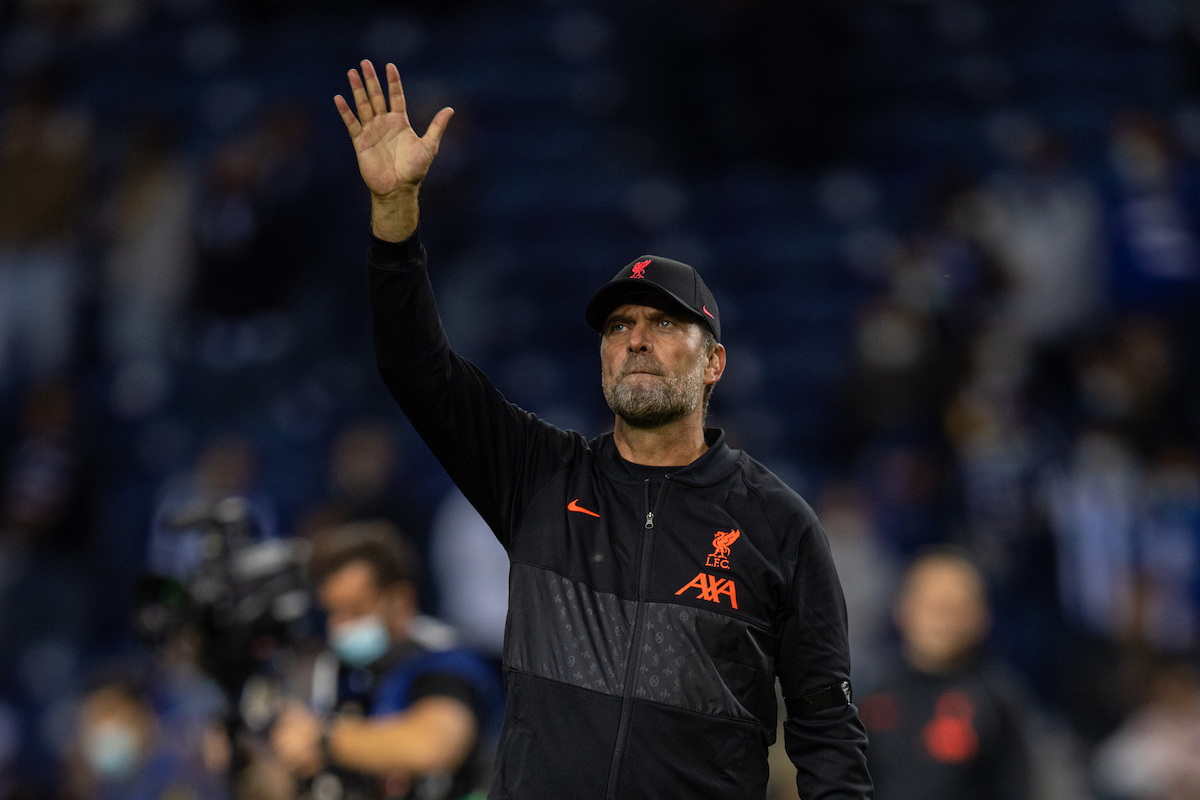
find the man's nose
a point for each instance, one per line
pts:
(639, 339)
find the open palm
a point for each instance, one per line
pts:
(391, 156)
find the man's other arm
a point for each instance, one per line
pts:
(822, 733)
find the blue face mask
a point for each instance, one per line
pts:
(362, 641)
(111, 750)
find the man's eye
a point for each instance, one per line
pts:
(665, 323)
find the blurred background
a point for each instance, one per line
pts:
(956, 245)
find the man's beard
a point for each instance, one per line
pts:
(653, 403)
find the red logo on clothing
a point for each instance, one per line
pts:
(711, 588)
(706, 311)
(950, 736)
(719, 557)
(639, 269)
(574, 506)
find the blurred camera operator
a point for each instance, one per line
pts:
(407, 717)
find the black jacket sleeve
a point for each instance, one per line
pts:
(495, 452)
(822, 733)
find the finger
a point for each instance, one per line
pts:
(365, 112)
(396, 91)
(433, 136)
(374, 90)
(351, 121)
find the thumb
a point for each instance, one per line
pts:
(433, 136)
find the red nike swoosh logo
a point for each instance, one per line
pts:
(706, 311)
(574, 506)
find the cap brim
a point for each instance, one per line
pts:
(610, 295)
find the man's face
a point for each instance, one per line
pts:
(942, 613)
(350, 594)
(653, 362)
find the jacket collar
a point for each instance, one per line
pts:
(716, 464)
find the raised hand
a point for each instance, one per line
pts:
(392, 158)
(390, 154)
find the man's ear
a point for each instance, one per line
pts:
(716, 364)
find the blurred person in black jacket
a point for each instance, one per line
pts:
(947, 722)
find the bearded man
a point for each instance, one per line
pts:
(644, 637)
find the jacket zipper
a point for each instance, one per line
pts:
(635, 655)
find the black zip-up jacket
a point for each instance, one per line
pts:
(645, 629)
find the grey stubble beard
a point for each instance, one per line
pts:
(655, 403)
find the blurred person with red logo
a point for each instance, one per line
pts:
(947, 723)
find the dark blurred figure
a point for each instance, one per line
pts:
(46, 494)
(255, 222)
(148, 273)
(222, 488)
(947, 724)
(901, 374)
(364, 459)
(868, 570)
(1154, 202)
(1153, 754)
(44, 151)
(1040, 223)
(256, 227)
(402, 715)
(120, 753)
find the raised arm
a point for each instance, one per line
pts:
(392, 158)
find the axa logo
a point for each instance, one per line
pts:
(712, 589)
(719, 557)
(639, 269)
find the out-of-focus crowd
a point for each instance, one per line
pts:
(957, 243)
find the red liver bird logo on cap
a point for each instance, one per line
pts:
(639, 269)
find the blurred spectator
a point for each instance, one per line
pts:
(998, 457)
(1042, 226)
(1170, 546)
(904, 482)
(44, 154)
(121, 754)
(1156, 253)
(192, 708)
(148, 272)
(1094, 515)
(900, 373)
(1131, 384)
(255, 233)
(471, 569)
(363, 465)
(868, 571)
(45, 497)
(1153, 754)
(946, 724)
(403, 717)
(221, 489)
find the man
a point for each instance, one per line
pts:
(659, 580)
(407, 717)
(947, 724)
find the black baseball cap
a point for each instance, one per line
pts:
(656, 275)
